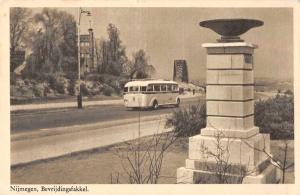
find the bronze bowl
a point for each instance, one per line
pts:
(230, 29)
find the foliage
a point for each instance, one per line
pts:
(188, 121)
(84, 90)
(107, 90)
(288, 92)
(19, 26)
(72, 87)
(51, 37)
(54, 43)
(276, 116)
(39, 90)
(111, 54)
(139, 68)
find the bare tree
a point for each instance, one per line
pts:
(279, 161)
(19, 25)
(223, 170)
(142, 159)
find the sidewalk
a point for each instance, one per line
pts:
(74, 104)
(29, 149)
(63, 105)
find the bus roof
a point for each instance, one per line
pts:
(146, 82)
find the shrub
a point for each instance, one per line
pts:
(38, 90)
(84, 90)
(276, 116)
(15, 91)
(72, 87)
(13, 78)
(288, 92)
(60, 86)
(188, 121)
(58, 83)
(107, 90)
(95, 77)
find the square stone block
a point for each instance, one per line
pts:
(230, 133)
(230, 108)
(239, 50)
(246, 93)
(229, 77)
(229, 123)
(220, 92)
(226, 61)
(244, 61)
(245, 152)
(230, 48)
(218, 61)
(189, 175)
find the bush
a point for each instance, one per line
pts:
(13, 78)
(107, 90)
(188, 122)
(72, 87)
(38, 90)
(58, 83)
(60, 86)
(95, 77)
(288, 92)
(84, 90)
(276, 116)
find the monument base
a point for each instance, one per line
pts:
(190, 176)
(228, 160)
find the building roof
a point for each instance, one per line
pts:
(146, 82)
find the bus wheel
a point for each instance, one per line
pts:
(155, 105)
(177, 102)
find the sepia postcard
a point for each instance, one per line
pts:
(99, 96)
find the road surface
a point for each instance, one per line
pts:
(37, 120)
(44, 147)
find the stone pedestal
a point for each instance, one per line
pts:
(230, 142)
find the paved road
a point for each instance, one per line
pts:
(37, 120)
(45, 147)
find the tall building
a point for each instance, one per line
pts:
(87, 50)
(180, 72)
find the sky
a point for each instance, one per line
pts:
(167, 34)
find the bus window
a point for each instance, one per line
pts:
(163, 87)
(150, 88)
(143, 88)
(169, 87)
(125, 89)
(175, 87)
(134, 89)
(156, 87)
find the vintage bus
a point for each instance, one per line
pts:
(151, 94)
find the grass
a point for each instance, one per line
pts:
(96, 166)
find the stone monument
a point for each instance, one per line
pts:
(230, 132)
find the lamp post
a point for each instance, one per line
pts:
(88, 13)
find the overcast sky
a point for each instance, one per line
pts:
(174, 33)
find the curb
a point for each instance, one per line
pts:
(85, 127)
(48, 106)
